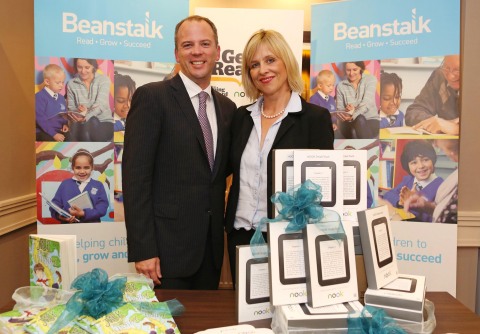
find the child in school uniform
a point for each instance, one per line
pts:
(418, 159)
(322, 98)
(50, 125)
(390, 98)
(123, 92)
(82, 166)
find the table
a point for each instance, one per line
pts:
(210, 309)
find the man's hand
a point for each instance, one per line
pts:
(439, 125)
(150, 268)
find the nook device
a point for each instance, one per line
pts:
(322, 173)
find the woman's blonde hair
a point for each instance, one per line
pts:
(280, 48)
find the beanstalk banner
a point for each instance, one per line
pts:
(122, 44)
(406, 56)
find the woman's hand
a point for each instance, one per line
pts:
(350, 107)
(76, 118)
(345, 117)
(418, 202)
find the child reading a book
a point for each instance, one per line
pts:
(390, 97)
(418, 159)
(82, 166)
(322, 98)
(50, 125)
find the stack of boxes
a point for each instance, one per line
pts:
(312, 273)
(401, 296)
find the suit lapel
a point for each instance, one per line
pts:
(245, 131)
(286, 124)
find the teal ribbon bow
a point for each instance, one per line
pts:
(300, 206)
(96, 297)
(373, 321)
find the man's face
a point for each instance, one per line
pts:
(196, 51)
(451, 71)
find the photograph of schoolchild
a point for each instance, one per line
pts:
(86, 92)
(50, 106)
(74, 182)
(128, 76)
(124, 87)
(390, 98)
(323, 96)
(430, 93)
(414, 175)
(444, 208)
(89, 101)
(356, 96)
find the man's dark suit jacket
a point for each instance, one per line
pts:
(310, 128)
(170, 194)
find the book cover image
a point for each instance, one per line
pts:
(45, 264)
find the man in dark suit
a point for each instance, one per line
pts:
(174, 191)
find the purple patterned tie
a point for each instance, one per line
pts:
(205, 124)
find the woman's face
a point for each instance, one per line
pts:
(123, 98)
(268, 72)
(353, 72)
(421, 167)
(85, 70)
(82, 168)
(389, 101)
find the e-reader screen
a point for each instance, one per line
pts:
(351, 182)
(322, 173)
(326, 310)
(381, 238)
(403, 284)
(333, 265)
(291, 258)
(287, 176)
(257, 286)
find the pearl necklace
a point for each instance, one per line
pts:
(272, 116)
